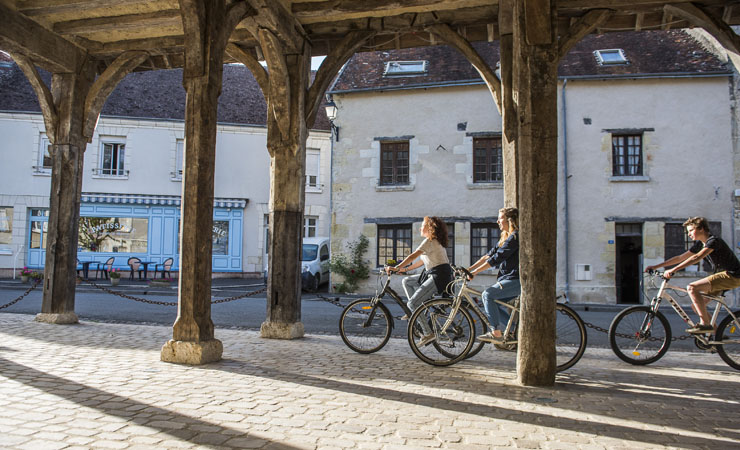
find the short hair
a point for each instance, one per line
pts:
(699, 223)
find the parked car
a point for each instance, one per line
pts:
(314, 263)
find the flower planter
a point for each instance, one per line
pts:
(24, 278)
(115, 281)
(159, 283)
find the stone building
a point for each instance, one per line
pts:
(131, 189)
(645, 141)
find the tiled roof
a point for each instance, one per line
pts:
(648, 52)
(157, 95)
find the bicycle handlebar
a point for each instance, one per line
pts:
(463, 271)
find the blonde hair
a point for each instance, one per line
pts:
(512, 215)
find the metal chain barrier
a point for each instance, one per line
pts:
(36, 283)
(156, 302)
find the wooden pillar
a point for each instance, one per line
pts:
(207, 25)
(287, 132)
(536, 51)
(70, 90)
(508, 108)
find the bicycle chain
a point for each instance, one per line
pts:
(36, 283)
(156, 302)
(340, 305)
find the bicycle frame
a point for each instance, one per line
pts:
(662, 294)
(379, 295)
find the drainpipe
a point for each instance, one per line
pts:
(565, 192)
(734, 197)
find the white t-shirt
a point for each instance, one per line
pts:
(433, 254)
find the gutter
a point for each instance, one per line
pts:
(565, 191)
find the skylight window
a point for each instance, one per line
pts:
(404, 68)
(610, 57)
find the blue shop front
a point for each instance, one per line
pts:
(144, 226)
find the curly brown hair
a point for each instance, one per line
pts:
(437, 229)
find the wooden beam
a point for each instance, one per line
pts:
(32, 8)
(169, 44)
(43, 94)
(537, 22)
(448, 35)
(712, 24)
(583, 26)
(727, 14)
(21, 35)
(280, 92)
(329, 68)
(337, 10)
(639, 18)
(165, 18)
(666, 20)
(251, 63)
(273, 16)
(104, 85)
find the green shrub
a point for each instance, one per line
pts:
(352, 268)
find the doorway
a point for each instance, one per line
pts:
(628, 273)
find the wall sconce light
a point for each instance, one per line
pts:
(331, 113)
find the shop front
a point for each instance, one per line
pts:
(143, 226)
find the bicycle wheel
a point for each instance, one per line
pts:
(365, 327)
(452, 344)
(570, 337)
(637, 338)
(728, 336)
(480, 328)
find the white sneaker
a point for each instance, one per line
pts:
(489, 337)
(426, 340)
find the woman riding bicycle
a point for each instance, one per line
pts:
(505, 256)
(437, 270)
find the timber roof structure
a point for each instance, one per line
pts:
(105, 29)
(648, 53)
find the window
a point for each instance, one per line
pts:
(44, 158)
(404, 68)
(6, 229)
(451, 242)
(266, 231)
(483, 237)
(112, 157)
(312, 169)
(677, 241)
(113, 234)
(39, 228)
(610, 57)
(220, 237)
(309, 226)
(627, 155)
(394, 163)
(179, 159)
(394, 242)
(488, 163)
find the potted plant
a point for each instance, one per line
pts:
(25, 273)
(160, 282)
(115, 277)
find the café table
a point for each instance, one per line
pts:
(145, 264)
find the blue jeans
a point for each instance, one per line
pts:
(419, 294)
(502, 290)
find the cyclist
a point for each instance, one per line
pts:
(437, 272)
(505, 256)
(721, 258)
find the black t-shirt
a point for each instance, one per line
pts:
(722, 257)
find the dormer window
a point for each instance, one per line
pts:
(405, 68)
(610, 57)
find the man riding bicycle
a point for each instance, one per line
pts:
(722, 259)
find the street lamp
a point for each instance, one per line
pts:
(331, 113)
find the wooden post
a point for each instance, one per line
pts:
(536, 74)
(70, 91)
(207, 26)
(286, 141)
(508, 105)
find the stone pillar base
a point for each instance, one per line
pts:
(193, 353)
(57, 318)
(278, 330)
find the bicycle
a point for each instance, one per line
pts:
(570, 341)
(637, 338)
(366, 324)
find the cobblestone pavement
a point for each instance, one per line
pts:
(96, 385)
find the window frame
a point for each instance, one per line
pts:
(179, 169)
(394, 68)
(44, 147)
(493, 233)
(307, 226)
(493, 157)
(395, 148)
(621, 155)
(316, 185)
(119, 148)
(406, 228)
(6, 232)
(603, 61)
(450, 242)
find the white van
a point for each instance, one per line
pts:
(315, 262)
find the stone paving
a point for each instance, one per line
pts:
(97, 386)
